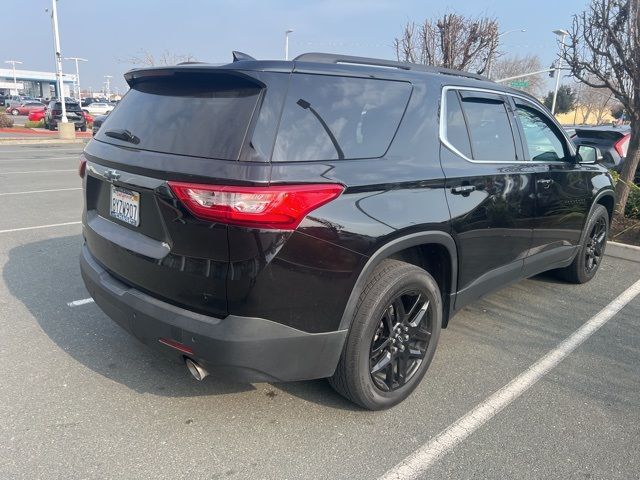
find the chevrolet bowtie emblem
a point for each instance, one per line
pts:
(111, 175)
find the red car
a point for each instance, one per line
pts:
(36, 114)
(24, 108)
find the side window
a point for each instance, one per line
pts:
(457, 134)
(489, 129)
(543, 143)
(326, 117)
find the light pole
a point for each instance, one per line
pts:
(490, 66)
(286, 43)
(77, 59)
(562, 34)
(58, 55)
(13, 65)
(108, 84)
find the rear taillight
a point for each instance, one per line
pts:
(622, 145)
(279, 207)
(82, 166)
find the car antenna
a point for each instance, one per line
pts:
(239, 56)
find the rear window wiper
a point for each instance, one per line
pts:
(123, 134)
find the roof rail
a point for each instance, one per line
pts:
(378, 62)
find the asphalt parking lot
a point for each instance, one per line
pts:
(82, 399)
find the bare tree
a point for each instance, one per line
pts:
(516, 65)
(453, 41)
(148, 59)
(592, 101)
(604, 52)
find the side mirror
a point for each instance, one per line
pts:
(588, 154)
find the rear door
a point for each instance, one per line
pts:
(563, 193)
(489, 189)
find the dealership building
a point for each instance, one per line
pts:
(34, 84)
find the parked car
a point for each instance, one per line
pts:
(36, 114)
(98, 120)
(53, 114)
(24, 108)
(98, 108)
(613, 142)
(281, 221)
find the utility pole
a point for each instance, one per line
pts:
(77, 59)
(13, 65)
(108, 85)
(286, 43)
(562, 34)
(58, 55)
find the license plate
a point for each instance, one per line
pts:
(125, 205)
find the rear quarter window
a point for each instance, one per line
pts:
(329, 118)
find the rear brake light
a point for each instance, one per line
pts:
(278, 207)
(622, 145)
(82, 166)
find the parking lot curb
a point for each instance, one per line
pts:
(38, 141)
(623, 251)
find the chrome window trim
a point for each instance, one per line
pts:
(443, 125)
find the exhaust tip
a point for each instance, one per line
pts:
(196, 370)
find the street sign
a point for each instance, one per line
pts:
(519, 83)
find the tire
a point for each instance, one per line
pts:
(14, 112)
(391, 291)
(51, 127)
(592, 246)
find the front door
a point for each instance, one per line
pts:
(562, 188)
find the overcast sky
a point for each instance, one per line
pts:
(107, 32)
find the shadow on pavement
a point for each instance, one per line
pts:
(45, 275)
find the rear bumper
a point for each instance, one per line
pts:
(244, 348)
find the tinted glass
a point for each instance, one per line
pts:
(489, 129)
(542, 142)
(202, 115)
(457, 134)
(328, 118)
(70, 107)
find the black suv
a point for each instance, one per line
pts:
(75, 115)
(326, 217)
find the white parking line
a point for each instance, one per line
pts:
(18, 159)
(40, 171)
(37, 227)
(423, 458)
(41, 191)
(41, 150)
(77, 303)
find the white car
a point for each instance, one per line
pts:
(98, 108)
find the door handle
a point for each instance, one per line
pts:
(463, 189)
(545, 182)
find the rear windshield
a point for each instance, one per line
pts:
(328, 118)
(70, 107)
(202, 115)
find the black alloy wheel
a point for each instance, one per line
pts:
(400, 342)
(594, 248)
(392, 338)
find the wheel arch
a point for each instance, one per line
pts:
(395, 249)
(607, 199)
